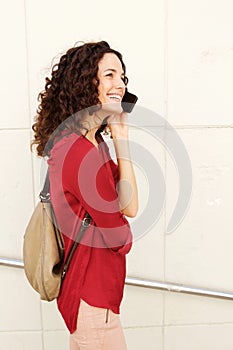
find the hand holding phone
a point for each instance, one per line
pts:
(128, 102)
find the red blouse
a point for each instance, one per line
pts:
(83, 177)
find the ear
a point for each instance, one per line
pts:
(95, 82)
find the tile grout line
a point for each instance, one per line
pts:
(207, 324)
(165, 156)
(29, 103)
(13, 129)
(31, 156)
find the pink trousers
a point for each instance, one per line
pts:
(97, 329)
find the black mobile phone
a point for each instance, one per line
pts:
(128, 102)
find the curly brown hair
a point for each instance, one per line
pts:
(70, 89)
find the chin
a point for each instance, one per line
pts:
(114, 107)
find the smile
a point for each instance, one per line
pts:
(115, 97)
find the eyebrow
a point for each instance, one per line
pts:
(113, 70)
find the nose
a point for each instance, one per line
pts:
(120, 84)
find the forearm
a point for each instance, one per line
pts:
(127, 187)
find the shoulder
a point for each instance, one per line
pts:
(69, 146)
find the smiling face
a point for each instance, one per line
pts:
(111, 85)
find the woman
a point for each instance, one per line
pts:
(82, 99)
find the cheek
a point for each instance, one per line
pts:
(101, 89)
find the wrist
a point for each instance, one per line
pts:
(122, 148)
(119, 136)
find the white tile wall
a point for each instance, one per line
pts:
(19, 304)
(142, 307)
(16, 196)
(146, 257)
(51, 317)
(13, 67)
(72, 23)
(200, 57)
(143, 261)
(56, 339)
(199, 251)
(21, 341)
(150, 338)
(183, 309)
(201, 337)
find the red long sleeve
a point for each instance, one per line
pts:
(83, 178)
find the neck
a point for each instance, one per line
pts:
(91, 123)
(90, 135)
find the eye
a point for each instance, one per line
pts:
(125, 80)
(109, 75)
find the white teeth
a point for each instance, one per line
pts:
(115, 97)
